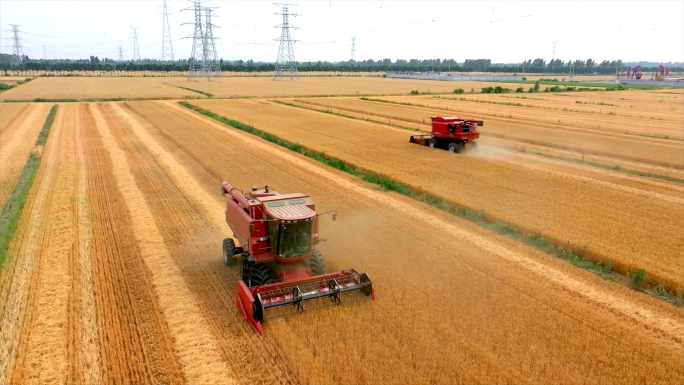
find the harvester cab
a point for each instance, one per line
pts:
(280, 269)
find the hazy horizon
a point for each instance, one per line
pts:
(505, 32)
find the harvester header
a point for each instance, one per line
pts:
(281, 271)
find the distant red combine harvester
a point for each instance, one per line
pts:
(451, 133)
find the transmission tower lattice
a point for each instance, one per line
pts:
(167, 46)
(553, 55)
(286, 60)
(45, 53)
(353, 53)
(211, 56)
(199, 67)
(17, 49)
(120, 54)
(136, 50)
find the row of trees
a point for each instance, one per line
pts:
(413, 65)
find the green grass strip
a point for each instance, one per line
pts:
(602, 269)
(193, 90)
(331, 112)
(14, 205)
(387, 184)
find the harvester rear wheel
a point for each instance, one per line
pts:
(228, 252)
(453, 147)
(315, 263)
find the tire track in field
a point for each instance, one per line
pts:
(20, 275)
(43, 352)
(193, 228)
(606, 185)
(136, 345)
(18, 131)
(85, 360)
(199, 142)
(667, 325)
(14, 111)
(195, 344)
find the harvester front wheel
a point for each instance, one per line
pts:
(315, 263)
(453, 147)
(228, 252)
(433, 142)
(260, 275)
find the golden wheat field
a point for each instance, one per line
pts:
(115, 273)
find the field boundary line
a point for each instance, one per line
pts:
(94, 100)
(600, 266)
(626, 307)
(330, 111)
(187, 325)
(14, 205)
(616, 167)
(208, 95)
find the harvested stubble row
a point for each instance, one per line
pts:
(147, 226)
(615, 224)
(9, 111)
(495, 149)
(84, 88)
(17, 140)
(417, 118)
(647, 150)
(424, 283)
(192, 235)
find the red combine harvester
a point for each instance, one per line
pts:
(280, 269)
(450, 132)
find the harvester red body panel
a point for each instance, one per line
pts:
(280, 269)
(450, 132)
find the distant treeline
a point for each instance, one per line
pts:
(588, 66)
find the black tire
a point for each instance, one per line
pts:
(433, 142)
(315, 263)
(260, 275)
(246, 269)
(453, 147)
(229, 252)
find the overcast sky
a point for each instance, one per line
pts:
(506, 32)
